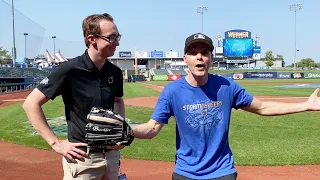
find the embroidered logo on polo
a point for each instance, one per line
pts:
(204, 115)
(110, 80)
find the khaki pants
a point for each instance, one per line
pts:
(97, 166)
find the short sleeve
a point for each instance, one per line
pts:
(163, 110)
(241, 98)
(51, 86)
(119, 85)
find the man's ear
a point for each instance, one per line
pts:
(185, 59)
(212, 58)
(91, 39)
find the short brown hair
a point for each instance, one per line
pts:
(91, 25)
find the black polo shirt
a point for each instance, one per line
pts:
(82, 87)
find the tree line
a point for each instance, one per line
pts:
(303, 63)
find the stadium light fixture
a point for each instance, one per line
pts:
(295, 8)
(256, 39)
(202, 10)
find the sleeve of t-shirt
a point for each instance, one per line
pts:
(163, 110)
(119, 85)
(51, 86)
(241, 98)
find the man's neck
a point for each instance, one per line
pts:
(96, 58)
(196, 81)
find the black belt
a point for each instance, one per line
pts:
(94, 149)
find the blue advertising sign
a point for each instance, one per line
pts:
(257, 50)
(266, 75)
(157, 54)
(237, 34)
(284, 75)
(20, 60)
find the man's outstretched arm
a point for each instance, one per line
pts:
(270, 108)
(147, 130)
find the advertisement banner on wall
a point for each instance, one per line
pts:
(260, 75)
(160, 77)
(284, 75)
(156, 54)
(237, 61)
(297, 75)
(124, 54)
(311, 75)
(173, 77)
(142, 54)
(237, 76)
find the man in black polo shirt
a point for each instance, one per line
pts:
(86, 81)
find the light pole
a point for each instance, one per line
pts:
(25, 45)
(171, 56)
(297, 57)
(14, 53)
(54, 48)
(295, 8)
(201, 10)
(218, 38)
(256, 39)
(155, 58)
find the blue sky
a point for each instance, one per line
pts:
(161, 25)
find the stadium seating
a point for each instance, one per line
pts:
(180, 71)
(22, 72)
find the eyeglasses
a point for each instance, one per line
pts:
(111, 38)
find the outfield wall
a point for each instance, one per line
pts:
(14, 84)
(249, 75)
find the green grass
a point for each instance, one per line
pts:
(138, 90)
(262, 70)
(255, 140)
(262, 89)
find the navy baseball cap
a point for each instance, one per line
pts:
(199, 37)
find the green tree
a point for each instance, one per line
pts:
(5, 58)
(269, 59)
(281, 57)
(306, 62)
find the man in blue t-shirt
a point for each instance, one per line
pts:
(201, 104)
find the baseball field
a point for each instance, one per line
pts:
(282, 147)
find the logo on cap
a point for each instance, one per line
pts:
(199, 36)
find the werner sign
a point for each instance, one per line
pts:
(238, 34)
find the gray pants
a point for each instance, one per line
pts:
(97, 166)
(233, 176)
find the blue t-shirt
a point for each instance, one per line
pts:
(203, 117)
